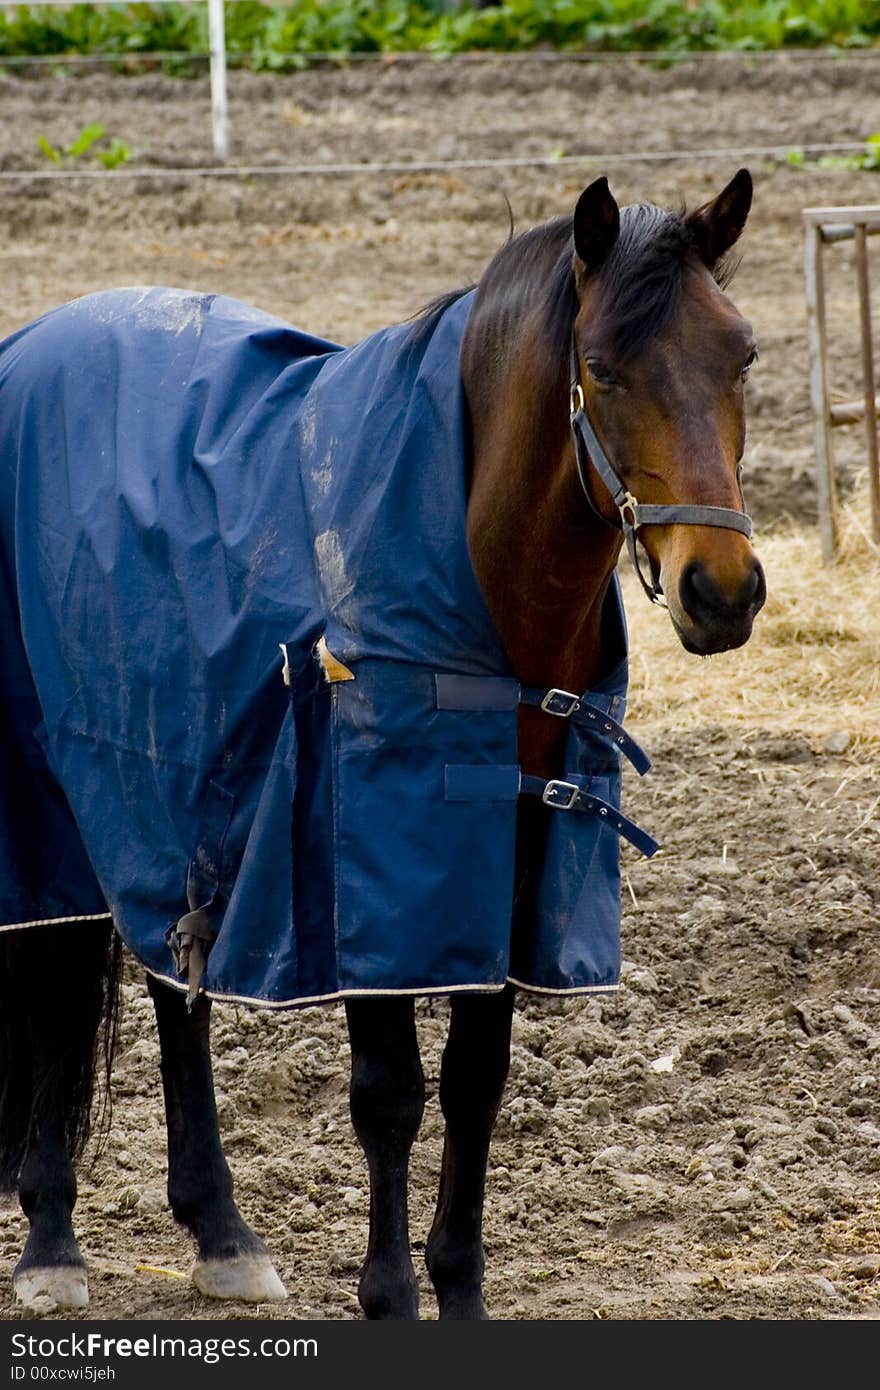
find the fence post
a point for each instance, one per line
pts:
(825, 481)
(219, 117)
(868, 377)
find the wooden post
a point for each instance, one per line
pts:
(868, 377)
(817, 334)
(219, 117)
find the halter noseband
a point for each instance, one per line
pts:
(634, 514)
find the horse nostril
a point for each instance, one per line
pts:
(698, 592)
(748, 590)
(757, 588)
(753, 592)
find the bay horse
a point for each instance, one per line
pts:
(598, 337)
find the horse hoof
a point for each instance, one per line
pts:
(247, 1278)
(55, 1286)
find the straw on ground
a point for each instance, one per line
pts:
(813, 664)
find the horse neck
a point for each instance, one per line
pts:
(542, 559)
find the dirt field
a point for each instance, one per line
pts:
(707, 1145)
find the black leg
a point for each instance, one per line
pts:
(475, 1065)
(51, 1266)
(387, 1100)
(232, 1261)
(57, 998)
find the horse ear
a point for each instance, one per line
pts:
(717, 225)
(596, 225)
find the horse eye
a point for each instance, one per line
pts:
(748, 364)
(601, 372)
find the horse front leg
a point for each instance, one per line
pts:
(475, 1064)
(387, 1100)
(232, 1261)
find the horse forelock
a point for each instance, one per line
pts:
(637, 291)
(640, 286)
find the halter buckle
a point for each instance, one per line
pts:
(629, 504)
(561, 703)
(548, 796)
(576, 401)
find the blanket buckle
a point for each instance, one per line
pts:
(561, 703)
(553, 788)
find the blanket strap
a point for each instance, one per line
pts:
(560, 795)
(190, 941)
(590, 716)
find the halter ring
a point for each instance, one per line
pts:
(629, 504)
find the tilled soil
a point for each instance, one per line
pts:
(707, 1144)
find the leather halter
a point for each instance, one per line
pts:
(635, 514)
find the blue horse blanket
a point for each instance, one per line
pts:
(248, 682)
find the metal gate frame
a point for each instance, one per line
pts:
(826, 226)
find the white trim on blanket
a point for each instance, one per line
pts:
(332, 998)
(324, 998)
(571, 989)
(342, 994)
(57, 921)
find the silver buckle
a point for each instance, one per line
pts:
(629, 504)
(550, 790)
(572, 702)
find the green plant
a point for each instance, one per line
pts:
(49, 150)
(869, 158)
(265, 35)
(116, 151)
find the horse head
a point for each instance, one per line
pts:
(660, 356)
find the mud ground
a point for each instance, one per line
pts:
(707, 1144)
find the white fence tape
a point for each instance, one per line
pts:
(426, 166)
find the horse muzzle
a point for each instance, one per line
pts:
(707, 615)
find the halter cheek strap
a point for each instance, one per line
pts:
(634, 514)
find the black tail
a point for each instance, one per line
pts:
(59, 991)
